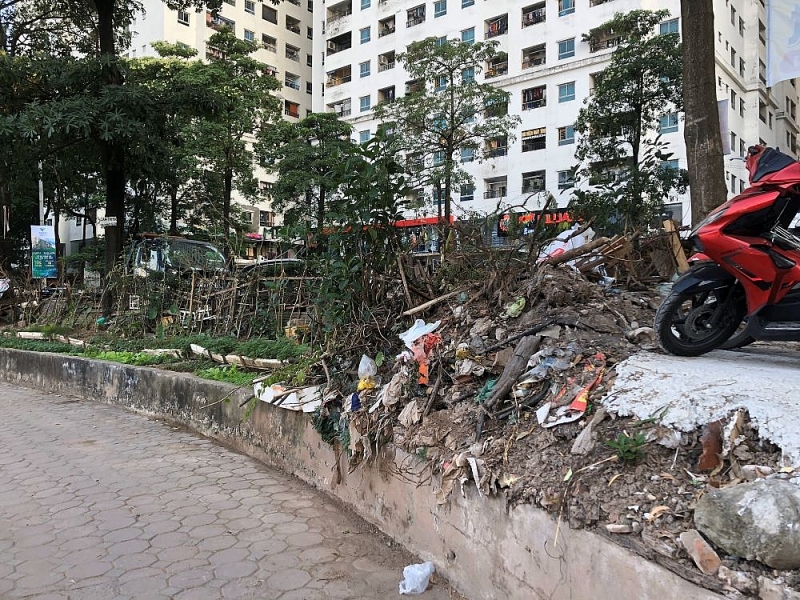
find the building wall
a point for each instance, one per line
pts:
(333, 20)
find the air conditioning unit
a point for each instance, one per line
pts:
(332, 46)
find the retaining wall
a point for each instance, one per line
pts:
(487, 550)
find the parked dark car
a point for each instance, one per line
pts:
(174, 255)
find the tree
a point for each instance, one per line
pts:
(305, 156)
(240, 90)
(446, 110)
(620, 150)
(702, 130)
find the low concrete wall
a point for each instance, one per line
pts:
(487, 550)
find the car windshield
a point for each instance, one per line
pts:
(183, 255)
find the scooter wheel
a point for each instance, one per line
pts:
(691, 324)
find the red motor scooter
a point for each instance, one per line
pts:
(746, 274)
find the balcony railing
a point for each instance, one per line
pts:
(534, 17)
(334, 81)
(598, 45)
(412, 21)
(385, 31)
(292, 83)
(339, 14)
(534, 61)
(531, 104)
(495, 193)
(385, 66)
(499, 151)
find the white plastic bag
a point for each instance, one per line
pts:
(415, 578)
(367, 367)
(565, 241)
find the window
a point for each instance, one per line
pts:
(742, 148)
(441, 41)
(310, 33)
(533, 182)
(309, 87)
(250, 7)
(365, 35)
(467, 155)
(468, 75)
(466, 3)
(670, 165)
(566, 48)
(231, 2)
(534, 139)
(762, 72)
(741, 67)
(269, 14)
(364, 103)
(363, 136)
(762, 111)
(733, 99)
(566, 92)
(266, 218)
(365, 4)
(733, 58)
(250, 36)
(566, 179)
(270, 43)
(566, 7)
(666, 27)
(566, 135)
(386, 94)
(363, 68)
(468, 36)
(741, 26)
(183, 17)
(439, 8)
(441, 83)
(733, 16)
(467, 192)
(438, 158)
(733, 141)
(309, 60)
(534, 98)
(668, 123)
(762, 33)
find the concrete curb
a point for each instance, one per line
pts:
(485, 548)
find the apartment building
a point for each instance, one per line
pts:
(549, 73)
(283, 34)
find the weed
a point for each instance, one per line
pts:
(629, 448)
(228, 374)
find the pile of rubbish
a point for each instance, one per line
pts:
(508, 397)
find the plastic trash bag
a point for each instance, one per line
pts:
(415, 578)
(417, 330)
(367, 371)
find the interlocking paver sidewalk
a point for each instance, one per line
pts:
(100, 503)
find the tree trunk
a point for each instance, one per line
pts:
(173, 210)
(702, 131)
(111, 153)
(226, 206)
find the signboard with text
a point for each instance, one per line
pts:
(43, 252)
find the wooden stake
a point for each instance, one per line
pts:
(434, 302)
(676, 246)
(403, 277)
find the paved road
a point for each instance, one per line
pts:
(99, 503)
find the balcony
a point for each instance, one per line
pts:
(533, 15)
(496, 26)
(495, 192)
(339, 11)
(496, 69)
(338, 76)
(386, 26)
(415, 16)
(386, 61)
(534, 56)
(341, 109)
(340, 43)
(292, 81)
(291, 109)
(603, 43)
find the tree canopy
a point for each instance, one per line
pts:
(445, 111)
(622, 158)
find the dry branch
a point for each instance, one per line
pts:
(515, 367)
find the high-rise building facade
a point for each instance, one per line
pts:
(549, 73)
